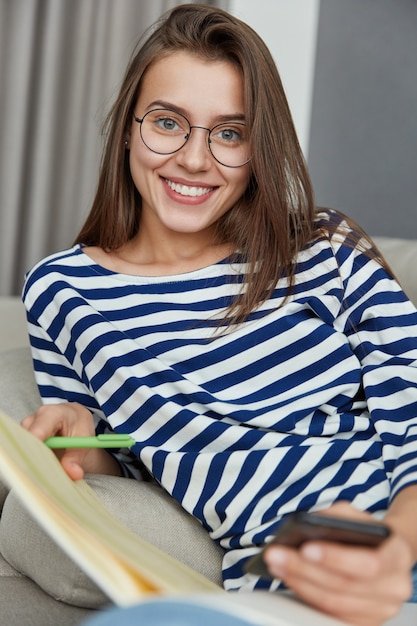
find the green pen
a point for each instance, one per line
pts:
(100, 441)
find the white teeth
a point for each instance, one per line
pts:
(184, 190)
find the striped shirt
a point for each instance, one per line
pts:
(300, 406)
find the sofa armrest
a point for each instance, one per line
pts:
(13, 328)
(401, 255)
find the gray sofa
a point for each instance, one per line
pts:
(39, 585)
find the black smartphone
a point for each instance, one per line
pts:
(301, 527)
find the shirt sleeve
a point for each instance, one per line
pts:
(58, 382)
(381, 325)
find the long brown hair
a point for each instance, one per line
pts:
(275, 217)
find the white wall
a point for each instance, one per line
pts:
(289, 28)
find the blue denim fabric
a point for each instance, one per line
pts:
(166, 613)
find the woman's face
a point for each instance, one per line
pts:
(187, 191)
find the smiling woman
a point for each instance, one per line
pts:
(256, 348)
(172, 162)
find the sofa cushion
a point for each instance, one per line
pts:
(401, 254)
(13, 327)
(143, 507)
(23, 603)
(19, 394)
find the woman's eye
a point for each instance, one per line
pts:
(168, 123)
(229, 135)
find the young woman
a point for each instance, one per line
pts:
(257, 349)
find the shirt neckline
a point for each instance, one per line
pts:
(204, 272)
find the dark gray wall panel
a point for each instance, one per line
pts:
(363, 142)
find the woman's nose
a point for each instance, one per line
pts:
(195, 154)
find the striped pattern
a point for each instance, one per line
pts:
(245, 426)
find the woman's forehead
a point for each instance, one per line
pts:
(193, 84)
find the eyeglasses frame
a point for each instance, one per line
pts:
(191, 126)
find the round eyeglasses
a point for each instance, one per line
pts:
(165, 132)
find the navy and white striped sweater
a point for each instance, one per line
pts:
(299, 406)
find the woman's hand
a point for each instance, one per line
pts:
(361, 586)
(71, 419)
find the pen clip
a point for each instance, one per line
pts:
(124, 441)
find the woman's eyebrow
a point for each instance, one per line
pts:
(164, 104)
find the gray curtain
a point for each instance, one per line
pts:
(61, 63)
